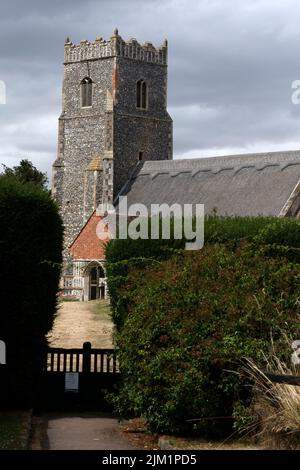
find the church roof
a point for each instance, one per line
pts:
(245, 185)
(87, 245)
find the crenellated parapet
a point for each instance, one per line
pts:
(115, 47)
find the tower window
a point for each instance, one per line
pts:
(141, 156)
(86, 92)
(141, 94)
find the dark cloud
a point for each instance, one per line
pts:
(231, 65)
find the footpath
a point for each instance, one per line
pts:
(80, 431)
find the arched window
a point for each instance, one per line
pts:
(141, 94)
(86, 92)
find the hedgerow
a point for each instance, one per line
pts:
(190, 322)
(30, 262)
(260, 231)
(186, 322)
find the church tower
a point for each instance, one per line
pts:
(114, 114)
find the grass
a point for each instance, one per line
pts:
(68, 299)
(101, 308)
(13, 430)
(276, 407)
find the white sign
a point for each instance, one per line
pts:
(71, 382)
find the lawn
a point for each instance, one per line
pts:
(101, 308)
(14, 430)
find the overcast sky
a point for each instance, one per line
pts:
(231, 66)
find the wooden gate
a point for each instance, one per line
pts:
(78, 377)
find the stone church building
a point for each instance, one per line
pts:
(115, 138)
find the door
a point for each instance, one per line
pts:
(94, 284)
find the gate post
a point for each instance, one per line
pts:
(86, 358)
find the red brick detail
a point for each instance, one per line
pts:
(87, 245)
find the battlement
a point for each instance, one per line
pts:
(115, 47)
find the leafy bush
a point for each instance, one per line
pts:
(222, 229)
(281, 237)
(123, 255)
(120, 250)
(30, 258)
(280, 232)
(190, 319)
(116, 278)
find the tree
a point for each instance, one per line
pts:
(26, 172)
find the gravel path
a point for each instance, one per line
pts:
(77, 322)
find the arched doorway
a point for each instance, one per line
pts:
(94, 282)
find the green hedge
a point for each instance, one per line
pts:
(261, 231)
(122, 255)
(187, 321)
(30, 261)
(190, 321)
(216, 230)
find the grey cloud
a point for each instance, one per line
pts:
(231, 65)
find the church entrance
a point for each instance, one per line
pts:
(94, 282)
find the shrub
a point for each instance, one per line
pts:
(116, 278)
(280, 232)
(223, 229)
(190, 320)
(122, 255)
(281, 237)
(30, 258)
